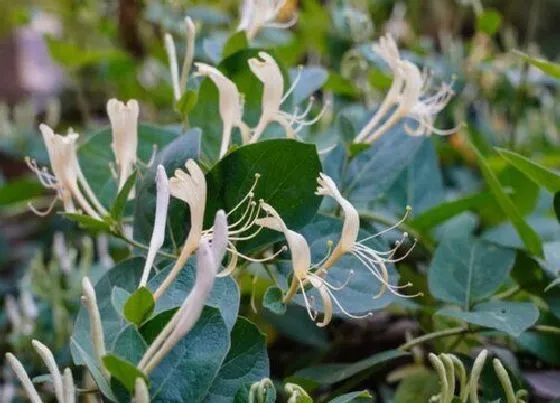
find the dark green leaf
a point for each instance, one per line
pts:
(362, 396)
(123, 370)
(466, 270)
(543, 345)
(537, 173)
(557, 205)
(237, 42)
(152, 327)
(120, 203)
(139, 306)
(19, 191)
(186, 104)
(550, 68)
(87, 222)
(273, 300)
(419, 386)
(512, 318)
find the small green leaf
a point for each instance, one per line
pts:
(355, 149)
(537, 173)
(123, 370)
(20, 191)
(153, 327)
(348, 133)
(120, 203)
(550, 68)
(139, 306)
(186, 104)
(362, 396)
(528, 235)
(489, 21)
(273, 300)
(235, 43)
(89, 223)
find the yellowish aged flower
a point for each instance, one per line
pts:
(257, 14)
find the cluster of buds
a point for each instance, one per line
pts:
(450, 369)
(411, 95)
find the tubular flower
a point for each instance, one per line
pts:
(304, 271)
(189, 187)
(267, 71)
(180, 82)
(257, 14)
(412, 96)
(231, 104)
(19, 370)
(124, 125)
(374, 260)
(67, 178)
(208, 258)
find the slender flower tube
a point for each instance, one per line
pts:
(23, 378)
(505, 381)
(179, 82)
(158, 233)
(189, 187)
(48, 359)
(267, 71)
(208, 260)
(257, 14)
(68, 386)
(231, 104)
(475, 375)
(95, 327)
(141, 394)
(124, 125)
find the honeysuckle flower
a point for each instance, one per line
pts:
(267, 71)
(374, 260)
(103, 255)
(68, 386)
(67, 178)
(189, 187)
(95, 327)
(257, 14)
(158, 233)
(208, 258)
(141, 394)
(397, 25)
(28, 386)
(411, 95)
(48, 359)
(179, 83)
(230, 105)
(124, 126)
(304, 271)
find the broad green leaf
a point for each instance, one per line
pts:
(543, 345)
(246, 362)
(371, 173)
(236, 43)
(139, 306)
(187, 372)
(529, 237)
(96, 157)
(466, 270)
(489, 21)
(272, 300)
(419, 386)
(119, 297)
(123, 370)
(557, 205)
(89, 223)
(20, 190)
(288, 177)
(172, 157)
(130, 345)
(326, 374)
(311, 80)
(120, 203)
(505, 234)
(362, 396)
(296, 325)
(357, 297)
(549, 68)
(537, 173)
(512, 318)
(420, 185)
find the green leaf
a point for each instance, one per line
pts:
(119, 297)
(73, 56)
(87, 222)
(139, 306)
(466, 270)
(273, 300)
(489, 21)
(362, 396)
(288, 178)
(246, 362)
(537, 173)
(557, 205)
(123, 370)
(20, 191)
(96, 157)
(172, 157)
(311, 80)
(152, 327)
(419, 386)
(527, 234)
(547, 67)
(543, 345)
(120, 203)
(512, 318)
(186, 104)
(236, 43)
(295, 325)
(326, 374)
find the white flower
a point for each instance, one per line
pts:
(141, 394)
(208, 260)
(179, 83)
(95, 327)
(48, 359)
(158, 233)
(68, 386)
(257, 14)
(267, 71)
(412, 96)
(67, 179)
(124, 125)
(24, 378)
(231, 104)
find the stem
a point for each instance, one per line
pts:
(547, 329)
(454, 331)
(139, 245)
